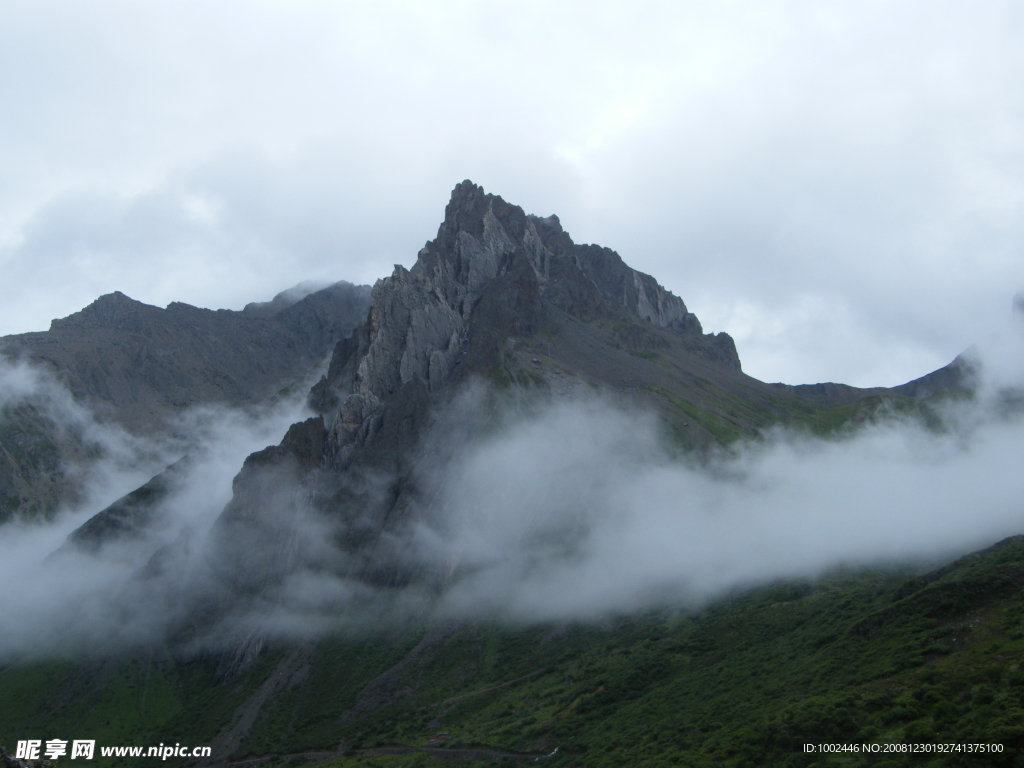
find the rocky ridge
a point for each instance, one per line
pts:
(492, 273)
(137, 364)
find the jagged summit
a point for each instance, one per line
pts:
(615, 282)
(554, 257)
(491, 274)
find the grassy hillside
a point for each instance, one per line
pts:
(856, 657)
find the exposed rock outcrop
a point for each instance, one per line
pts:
(491, 273)
(131, 516)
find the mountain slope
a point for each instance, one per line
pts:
(136, 366)
(884, 657)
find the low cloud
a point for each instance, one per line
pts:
(567, 511)
(60, 598)
(579, 512)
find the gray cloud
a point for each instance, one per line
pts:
(840, 187)
(568, 516)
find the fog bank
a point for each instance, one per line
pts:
(559, 511)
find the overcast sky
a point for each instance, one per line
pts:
(838, 185)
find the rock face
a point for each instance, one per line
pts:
(492, 273)
(38, 458)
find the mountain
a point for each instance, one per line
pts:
(506, 298)
(502, 313)
(136, 366)
(499, 297)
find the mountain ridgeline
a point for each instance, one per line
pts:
(498, 298)
(138, 364)
(508, 299)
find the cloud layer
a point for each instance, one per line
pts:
(569, 511)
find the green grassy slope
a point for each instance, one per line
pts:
(856, 657)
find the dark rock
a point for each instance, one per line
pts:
(40, 461)
(961, 374)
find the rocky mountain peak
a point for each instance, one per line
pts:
(474, 218)
(492, 273)
(497, 295)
